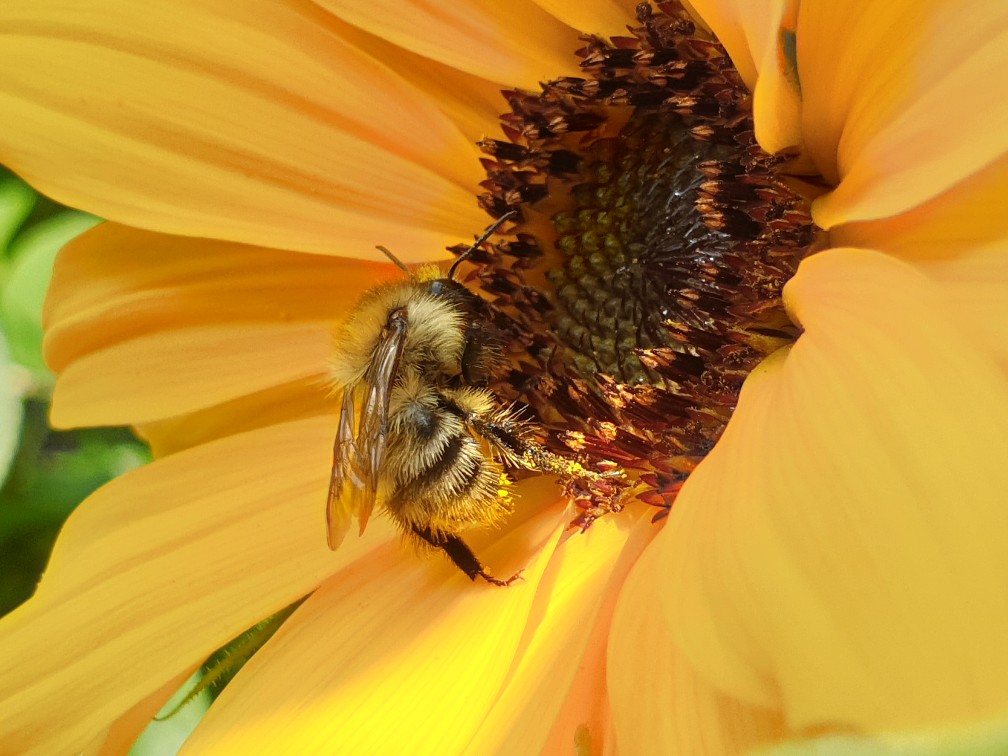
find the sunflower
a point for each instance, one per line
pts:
(815, 415)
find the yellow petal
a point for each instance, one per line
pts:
(966, 217)
(960, 240)
(846, 52)
(776, 100)
(277, 404)
(514, 43)
(152, 377)
(391, 656)
(160, 567)
(753, 35)
(558, 678)
(659, 701)
(254, 122)
(144, 326)
(848, 527)
(605, 18)
(114, 283)
(900, 101)
(976, 288)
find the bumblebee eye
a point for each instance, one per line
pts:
(437, 287)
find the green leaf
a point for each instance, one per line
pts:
(23, 294)
(11, 410)
(16, 203)
(165, 737)
(989, 737)
(52, 473)
(224, 663)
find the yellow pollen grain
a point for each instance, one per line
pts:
(505, 483)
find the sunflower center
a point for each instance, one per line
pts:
(642, 282)
(632, 230)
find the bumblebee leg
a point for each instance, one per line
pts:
(461, 555)
(523, 452)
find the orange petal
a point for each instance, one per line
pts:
(745, 29)
(472, 103)
(144, 326)
(254, 122)
(159, 568)
(898, 102)
(557, 682)
(659, 702)
(606, 18)
(388, 640)
(848, 527)
(514, 43)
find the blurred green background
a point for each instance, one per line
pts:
(45, 474)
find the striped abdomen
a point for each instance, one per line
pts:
(437, 474)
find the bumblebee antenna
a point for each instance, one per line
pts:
(486, 235)
(396, 260)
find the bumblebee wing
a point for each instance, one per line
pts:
(346, 464)
(373, 433)
(360, 448)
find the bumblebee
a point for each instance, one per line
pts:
(419, 431)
